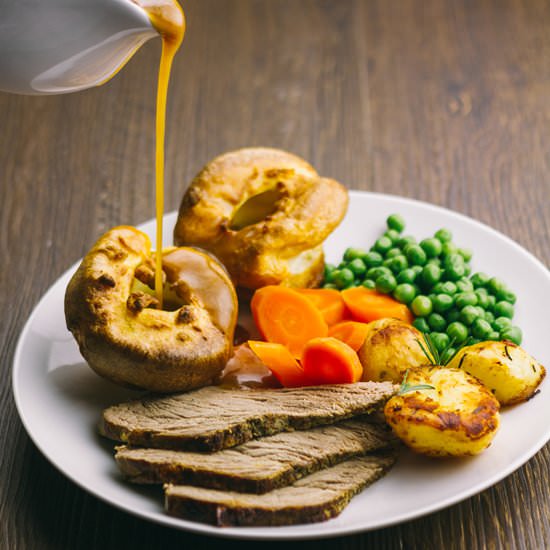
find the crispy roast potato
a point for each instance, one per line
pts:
(390, 348)
(265, 214)
(505, 368)
(112, 312)
(459, 417)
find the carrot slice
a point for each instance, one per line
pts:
(284, 316)
(367, 305)
(352, 333)
(281, 363)
(330, 361)
(328, 301)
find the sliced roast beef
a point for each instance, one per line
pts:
(256, 466)
(214, 418)
(317, 497)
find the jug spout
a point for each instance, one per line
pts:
(62, 46)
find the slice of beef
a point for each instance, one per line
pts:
(214, 418)
(317, 497)
(256, 466)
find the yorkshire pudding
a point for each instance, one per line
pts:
(265, 214)
(110, 309)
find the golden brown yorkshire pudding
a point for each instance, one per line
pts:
(265, 214)
(110, 309)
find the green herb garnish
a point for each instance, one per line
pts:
(406, 387)
(443, 357)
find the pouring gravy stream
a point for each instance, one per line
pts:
(168, 19)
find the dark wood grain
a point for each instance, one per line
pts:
(441, 101)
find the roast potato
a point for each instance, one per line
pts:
(390, 348)
(265, 214)
(113, 314)
(459, 417)
(505, 368)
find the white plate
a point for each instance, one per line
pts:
(60, 399)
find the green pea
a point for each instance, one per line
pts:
(404, 241)
(482, 298)
(329, 270)
(383, 244)
(452, 316)
(489, 317)
(464, 285)
(481, 328)
(447, 287)
(415, 254)
(479, 279)
(343, 277)
(492, 302)
(421, 306)
(396, 222)
(421, 324)
(393, 235)
(404, 293)
(493, 335)
(434, 261)
(454, 272)
(375, 272)
(467, 269)
(417, 269)
(466, 253)
(446, 357)
(509, 296)
(496, 287)
(444, 235)
(464, 299)
(468, 315)
(407, 276)
(442, 303)
(453, 259)
(353, 253)
(501, 323)
(432, 247)
(440, 340)
(513, 334)
(392, 252)
(448, 249)
(480, 311)
(504, 309)
(329, 277)
(457, 332)
(372, 259)
(430, 275)
(437, 322)
(385, 283)
(357, 267)
(398, 264)
(369, 283)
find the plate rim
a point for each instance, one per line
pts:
(271, 533)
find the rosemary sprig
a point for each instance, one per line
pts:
(406, 387)
(441, 358)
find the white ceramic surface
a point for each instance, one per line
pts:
(55, 46)
(60, 399)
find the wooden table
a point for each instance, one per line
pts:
(446, 102)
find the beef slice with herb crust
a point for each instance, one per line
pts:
(213, 418)
(317, 497)
(260, 465)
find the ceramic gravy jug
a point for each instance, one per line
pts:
(60, 46)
